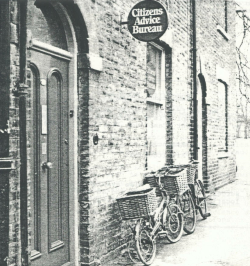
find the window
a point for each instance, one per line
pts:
(225, 8)
(222, 13)
(223, 116)
(222, 16)
(156, 119)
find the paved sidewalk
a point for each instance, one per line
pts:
(224, 238)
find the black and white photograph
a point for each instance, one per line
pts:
(124, 132)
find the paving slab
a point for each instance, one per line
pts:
(222, 239)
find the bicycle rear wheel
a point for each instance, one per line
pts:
(188, 208)
(201, 198)
(173, 223)
(145, 244)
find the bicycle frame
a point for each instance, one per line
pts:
(195, 189)
(163, 208)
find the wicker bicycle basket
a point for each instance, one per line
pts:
(151, 180)
(137, 205)
(191, 171)
(175, 181)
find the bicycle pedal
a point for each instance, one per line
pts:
(162, 234)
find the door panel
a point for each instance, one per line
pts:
(54, 156)
(50, 145)
(35, 161)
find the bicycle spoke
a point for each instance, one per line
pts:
(145, 244)
(201, 199)
(173, 223)
(188, 209)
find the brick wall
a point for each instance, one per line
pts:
(117, 113)
(118, 99)
(181, 94)
(112, 105)
(14, 146)
(216, 50)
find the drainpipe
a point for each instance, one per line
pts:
(21, 93)
(195, 82)
(5, 161)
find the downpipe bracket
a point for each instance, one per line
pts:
(20, 90)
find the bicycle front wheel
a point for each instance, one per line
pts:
(132, 251)
(173, 223)
(188, 208)
(201, 199)
(145, 244)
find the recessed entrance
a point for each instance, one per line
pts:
(202, 129)
(50, 149)
(52, 140)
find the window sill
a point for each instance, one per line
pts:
(155, 101)
(224, 34)
(223, 154)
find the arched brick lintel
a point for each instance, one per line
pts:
(89, 19)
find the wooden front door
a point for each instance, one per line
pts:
(49, 160)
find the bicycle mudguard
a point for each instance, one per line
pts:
(137, 229)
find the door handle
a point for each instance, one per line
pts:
(47, 165)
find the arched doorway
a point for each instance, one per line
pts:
(52, 140)
(202, 129)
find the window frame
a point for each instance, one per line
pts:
(162, 82)
(160, 103)
(223, 29)
(226, 15)
(224, 148)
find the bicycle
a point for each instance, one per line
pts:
(188, 208)
(177, 175)
(198, 190)
(194, 198)
(151, 221)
